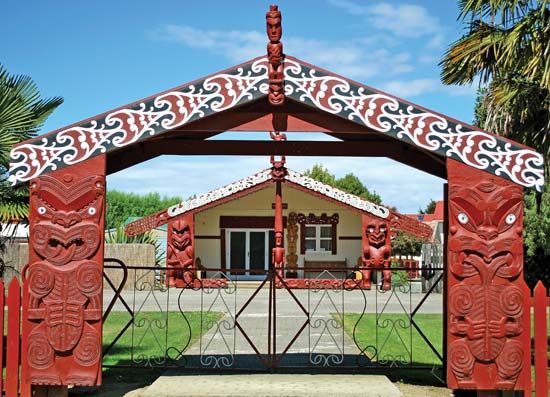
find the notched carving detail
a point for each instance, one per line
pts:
(376, 251)
(66, 218)
(180, 254)
(64, 280)
(275, 56)
(485, 302)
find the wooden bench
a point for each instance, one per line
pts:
(319, 266)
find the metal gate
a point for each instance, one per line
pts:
(329, 325)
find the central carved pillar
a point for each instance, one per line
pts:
(278, 173)
(62, 317)
(488, 301)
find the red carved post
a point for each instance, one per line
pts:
(541, 340)
(180, 253)
(376, 250)
(62, 319)
(275, 56)
(488, 335)
(278, 173)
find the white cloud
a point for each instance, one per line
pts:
(358, 59)
(405, 20)
(407, 189)
(235, 45)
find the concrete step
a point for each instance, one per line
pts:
(270, 385)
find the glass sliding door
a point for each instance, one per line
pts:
(249, 250)
(258, 260)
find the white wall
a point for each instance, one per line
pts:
(207, 223)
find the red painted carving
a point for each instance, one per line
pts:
(486, 324)
(411, 226)
(376, 250)
(180, 253)
(320, 283)
(278, 173)
(63, 317)
(275, 56)
(146, 223)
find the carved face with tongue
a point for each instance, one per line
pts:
(62, 234)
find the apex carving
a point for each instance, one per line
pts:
(275, 56)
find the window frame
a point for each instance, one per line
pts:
(318, 238)
(318, 221)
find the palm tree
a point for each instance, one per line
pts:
(506, 47)
(22, 113)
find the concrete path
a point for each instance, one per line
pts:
(174, 385)
(322, 343)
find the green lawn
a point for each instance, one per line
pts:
(394, 336)
(156, 336)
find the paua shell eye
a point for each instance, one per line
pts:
(41, 210)
(510, 218)
(91, 211)
(463, 218)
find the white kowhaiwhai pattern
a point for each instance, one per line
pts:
(293, 177)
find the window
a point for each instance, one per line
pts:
(318, 238)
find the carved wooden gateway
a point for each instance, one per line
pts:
(488, 332)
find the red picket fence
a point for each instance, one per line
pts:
(540, 348)
(10, 344)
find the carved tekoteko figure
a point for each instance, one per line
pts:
(486, 299)
(376, 250)
(278, 254)
(180, 254)
(62, 323)
(275, 56)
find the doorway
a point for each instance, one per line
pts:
(249, 250)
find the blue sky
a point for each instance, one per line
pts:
(99, 55)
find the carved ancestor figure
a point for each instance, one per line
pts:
(376, 250)
(180, 254)
(292, 239)
(278, 254)
(485, 307)
(275, 56)
(64, 278)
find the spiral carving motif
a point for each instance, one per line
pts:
(461, 300)
(88, 350)
(89, 278)
(510, 360)
(40, 279)
(511, 301)
(461, 359)
(39, 352)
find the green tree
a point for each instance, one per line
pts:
(506, 47)
(321, 174)
(122, 205)
(22, 113)
(406, 245)
(349, 183)
(430, 208)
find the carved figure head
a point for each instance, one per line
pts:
(485, 223)
(66, 217)
(278, 239)
(273, 23)
(181, 234)
(376, 232)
